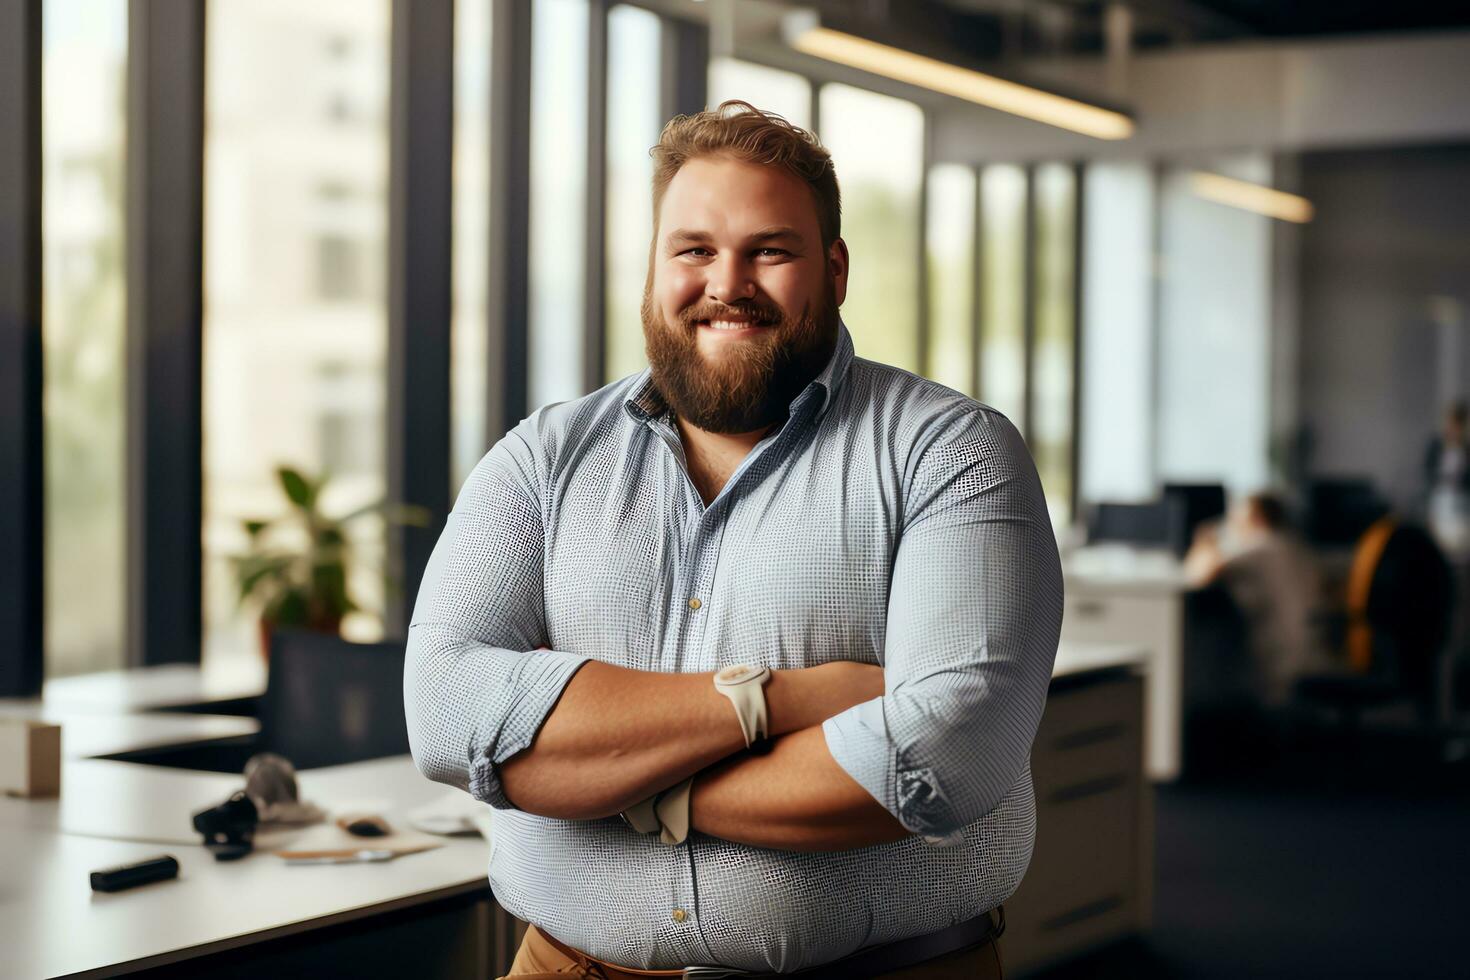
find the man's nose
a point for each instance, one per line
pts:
(731, 279)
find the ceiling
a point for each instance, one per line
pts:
(1003, 29)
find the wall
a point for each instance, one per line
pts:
(1380, 354)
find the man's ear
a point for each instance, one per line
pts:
(837, 265)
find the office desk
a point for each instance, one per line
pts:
(52, 924)
(169, 686)
(428, 914)
(1118, 594)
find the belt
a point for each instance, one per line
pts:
(869, 962)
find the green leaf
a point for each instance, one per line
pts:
(298, 488)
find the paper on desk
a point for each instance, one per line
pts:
(454, 812)
(330, 840)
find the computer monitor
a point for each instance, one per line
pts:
(1151, 525)
(1200, 502)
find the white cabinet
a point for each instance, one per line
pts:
(1113, 610)
(1090, 878)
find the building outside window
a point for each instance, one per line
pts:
(83, 133)
(633, 126)
(295, 327)
(877, 145)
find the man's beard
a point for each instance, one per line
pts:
(749, 383)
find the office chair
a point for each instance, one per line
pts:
(328, 701)
(1399, 602)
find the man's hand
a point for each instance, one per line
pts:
(618, 736)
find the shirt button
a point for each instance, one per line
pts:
(680, 915)
(695, 603)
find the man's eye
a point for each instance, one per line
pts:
(691, 251)
(774, 251)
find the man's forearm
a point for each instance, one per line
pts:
(617, 736)
(793, 798)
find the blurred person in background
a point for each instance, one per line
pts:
(1447, 481)
(1270, 576)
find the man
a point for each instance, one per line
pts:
(759, 497)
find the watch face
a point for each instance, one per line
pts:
(737, 674)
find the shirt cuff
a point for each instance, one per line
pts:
(540, 677)
(858, 740)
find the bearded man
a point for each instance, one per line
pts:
(747, 650)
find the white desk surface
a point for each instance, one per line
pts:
(109, 813)
(1122, 568)
(52, 924)
(90, 733)
(169, 685)
(1078, 658)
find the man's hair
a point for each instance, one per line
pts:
(1270, 508)
(738, 130)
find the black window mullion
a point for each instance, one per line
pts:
(420, 281)
(508, 279)
(165, 207)
(22, 489)
(684, 68)
(594, 347)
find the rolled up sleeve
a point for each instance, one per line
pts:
(476, 686)
(974, 615)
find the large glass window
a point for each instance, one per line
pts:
(1055, 339)
(1214, 333)
(633, 126)
(558, 198)
(1003, 291)
(83, 117)
(877, 145)
(951, 258)
(787, 94)
(472, 23)
(295, 211)
(1117, 296)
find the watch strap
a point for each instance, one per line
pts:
(673, 812)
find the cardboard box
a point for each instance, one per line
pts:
(30, 758)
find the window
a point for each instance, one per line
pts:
(633, 126)
(877, 145)
(1003, 291)
(558, 198)
(951, 257)
(1055, 343)
(295, 320)
(782, 92)
(469, 391)
(83, 122)
(1117, 383)
(1214, 333)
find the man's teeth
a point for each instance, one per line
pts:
(731, 324)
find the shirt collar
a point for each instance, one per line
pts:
(644, 402)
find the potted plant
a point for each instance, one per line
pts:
(300, 579)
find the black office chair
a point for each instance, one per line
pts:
(328, 701)
(1399, 604)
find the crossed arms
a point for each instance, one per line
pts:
(926, 744)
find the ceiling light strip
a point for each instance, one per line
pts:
(962, 83)
(1251, 197)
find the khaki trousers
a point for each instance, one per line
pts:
(538, 959)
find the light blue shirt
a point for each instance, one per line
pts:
(889, 520)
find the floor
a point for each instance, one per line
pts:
(1330, 861)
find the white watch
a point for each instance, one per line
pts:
(744, 685)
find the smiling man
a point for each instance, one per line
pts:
(747, 650)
